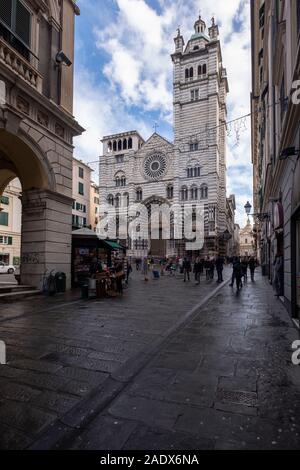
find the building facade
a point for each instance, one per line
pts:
(247, 245)
(276, 140)
(192, 170)
(94, 206)
(81, 195)
(37, 127)
(230, 222)
(10, 224)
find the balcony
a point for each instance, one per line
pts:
(20, 65)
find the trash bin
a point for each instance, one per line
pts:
(60, 281)
(85, 291)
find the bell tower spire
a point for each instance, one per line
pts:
(200, 25)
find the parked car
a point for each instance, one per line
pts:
(6, 268)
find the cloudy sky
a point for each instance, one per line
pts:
(123, 76)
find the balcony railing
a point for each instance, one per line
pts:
(18, 63)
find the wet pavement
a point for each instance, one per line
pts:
(168, 366)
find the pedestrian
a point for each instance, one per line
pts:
(197, 270)
(207, 268)
(212, 269)
(186, 269)
(237, 273)
(119, 273)
(220, 267)
(252, 267)
(244, 267)
(127, 269)
(278, 274)
(137, 264)
(145, 269)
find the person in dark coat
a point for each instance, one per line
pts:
(186, 269)
(237, 273)
(244, 266)
(252, 267)
(207, 268)
(197, 270)
(220, 267)
(212, 269)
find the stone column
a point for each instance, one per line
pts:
(46, 236)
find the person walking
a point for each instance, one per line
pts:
(252, 267)
(212, 269)
(119, 273)
(244, 267)
(220, 267)
(197, 271)
(237, 273)
(186, 269)
(145, 269)
(207, 268)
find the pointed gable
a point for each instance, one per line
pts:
(156, 143)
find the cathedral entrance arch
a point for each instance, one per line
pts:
(159, 225)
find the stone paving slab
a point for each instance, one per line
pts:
(121, 373)
(240, 391)
(61, 350)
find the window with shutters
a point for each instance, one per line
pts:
(15, 25)
(4, 240)
(4, 218)
(81, 189)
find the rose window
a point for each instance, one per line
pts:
(155, 166)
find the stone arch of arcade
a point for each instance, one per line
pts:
(46, 213)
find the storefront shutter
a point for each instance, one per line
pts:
(6, 11)
(23, 22)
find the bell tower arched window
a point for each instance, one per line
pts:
(125, 144)
(130, 143)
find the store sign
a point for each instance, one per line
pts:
(278, 215)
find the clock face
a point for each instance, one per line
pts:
(155, 166)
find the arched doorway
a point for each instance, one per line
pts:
(159, 225)
(46, 214)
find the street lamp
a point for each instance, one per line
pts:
(248, 208)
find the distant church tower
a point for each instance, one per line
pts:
(200, 89)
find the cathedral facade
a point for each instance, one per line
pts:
(190, 171)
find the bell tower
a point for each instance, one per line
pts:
(199, 89)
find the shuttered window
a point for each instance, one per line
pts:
(22, 26)
(4, 218)
(6, 12)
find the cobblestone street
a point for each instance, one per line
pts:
(168, 366)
